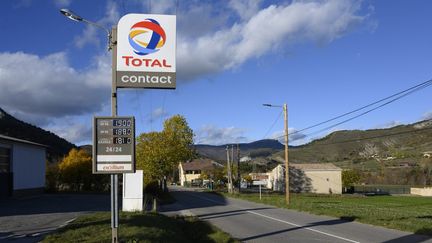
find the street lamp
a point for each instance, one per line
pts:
(112, 45)
(287, 187)
(72, 16)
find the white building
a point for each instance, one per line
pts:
(324, 178)
(191, 171)
(22, 166)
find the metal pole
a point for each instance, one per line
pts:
(238, 168)
(287, 188)
(260, 190)
(228, 170)
(114, 177)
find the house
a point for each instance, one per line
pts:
(324, 178)
(22, 166)
(191, 171)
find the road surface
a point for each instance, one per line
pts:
(29, 219)
(252, 222)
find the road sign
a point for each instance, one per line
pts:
(113, 145)
(146, 51)
(256, 183)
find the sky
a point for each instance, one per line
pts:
(322, 58)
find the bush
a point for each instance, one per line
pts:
(76, 173)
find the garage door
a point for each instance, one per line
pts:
(5, 172)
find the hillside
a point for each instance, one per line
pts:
(404, 143)
(57, 146)
(260, 148)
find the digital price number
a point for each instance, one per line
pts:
(122, 131)
(122, 140)
(122, 122)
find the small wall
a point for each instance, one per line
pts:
(427, 191)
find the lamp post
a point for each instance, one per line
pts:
(287, 187)
(112, 46)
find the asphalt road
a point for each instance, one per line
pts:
(29, 219)
(252, 222)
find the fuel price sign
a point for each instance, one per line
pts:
(113, 145)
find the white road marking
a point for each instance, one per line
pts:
(283, 221)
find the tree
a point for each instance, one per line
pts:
(350, 177)
(179, 140)
(158, 153)
(426, 166)
(75, 169)
(76, 172)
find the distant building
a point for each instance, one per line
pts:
(324, 178)
(22, 166)
(427, 154)
(191, 171)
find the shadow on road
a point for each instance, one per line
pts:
(54, 203)
(414, 238)
(185, 195)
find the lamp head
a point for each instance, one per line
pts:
(70, 15)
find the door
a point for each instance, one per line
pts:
(6, 179)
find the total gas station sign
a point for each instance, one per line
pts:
(146, 51)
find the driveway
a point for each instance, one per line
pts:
(28, 219)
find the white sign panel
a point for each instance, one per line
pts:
(256, 183)
(146, 51)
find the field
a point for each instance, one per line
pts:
(407, 213)
(139, 227)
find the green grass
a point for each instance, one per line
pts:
(407, 213)
(139, 227)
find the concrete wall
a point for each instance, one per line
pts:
(28, 166)
(325, 181)
(427, 191)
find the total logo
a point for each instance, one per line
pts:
(157, 37)
(146, 37)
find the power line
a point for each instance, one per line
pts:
(368, 111)
(271, 127)
(378, 136)
(424, 84)
(398, 96)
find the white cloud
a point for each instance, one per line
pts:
(50, 88)
(76, 133)
(389, 124)
(427, 115)
(91, 34)
(210, 134)
(62, 3)
(294, 137)
(245, 8)
(268, 30)
(158, 113)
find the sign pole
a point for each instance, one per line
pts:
(114, 177)
(260, 190)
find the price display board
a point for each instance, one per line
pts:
(113, 145)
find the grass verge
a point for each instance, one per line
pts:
(139, 227)
(407, 213)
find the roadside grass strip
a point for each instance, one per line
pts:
(139, 227)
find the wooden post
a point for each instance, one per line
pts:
(287, 187)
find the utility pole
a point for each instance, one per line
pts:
(229, 171)
(287, 187)
(238, 168)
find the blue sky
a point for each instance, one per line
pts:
(322, 58)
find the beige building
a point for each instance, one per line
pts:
(324, 178)
(190, 171)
